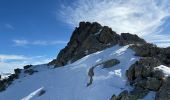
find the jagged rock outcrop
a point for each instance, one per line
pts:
(89, 38)
(127, 38)
(144, 77)
(142, 68)
(4, 83)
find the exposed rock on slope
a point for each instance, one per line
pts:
(110, 63)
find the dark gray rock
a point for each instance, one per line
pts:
(146, 50)
(153, 84)
(17, 71)
(123, 95)
(164, 91)
(81, 40)
(42, 92)
(165, 55)
(144, 77)
(2, 85)
(138, 93)
(27, 66)
(149, 83)
(110, 63)
(30, 71)
(142, 68)
(108, 36)
(127, 38)
(90, 74)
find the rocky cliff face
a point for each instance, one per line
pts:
(89, 38)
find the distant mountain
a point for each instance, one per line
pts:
(96, 64)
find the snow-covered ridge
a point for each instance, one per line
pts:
(70, 82)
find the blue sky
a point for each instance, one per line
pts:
(31, 20)
(33, 31)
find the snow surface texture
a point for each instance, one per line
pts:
(165, 69)
(70, 82)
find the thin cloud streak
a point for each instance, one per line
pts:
(9, 26)
(159, 39)
(11, 57)
(9, 62)
(18, 42)
(141, 17)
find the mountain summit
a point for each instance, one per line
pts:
(89, 38)
(96, 64)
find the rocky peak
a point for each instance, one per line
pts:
(89, 38)
(131, 39)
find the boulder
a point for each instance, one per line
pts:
(164, 91)
(30, 71)
(142, 68)
(17, 71)
(127, 38)
(2, 85)
(149, 83)
(146, 50)
(110, 63)
(27, 66)
(42, 92)
(138, 93)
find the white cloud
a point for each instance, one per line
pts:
(20, 42)
(160, 40)
(9, 62)
(11, 57)
(141, 17)
(37, 42)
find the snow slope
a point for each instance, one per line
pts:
(70, 82)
